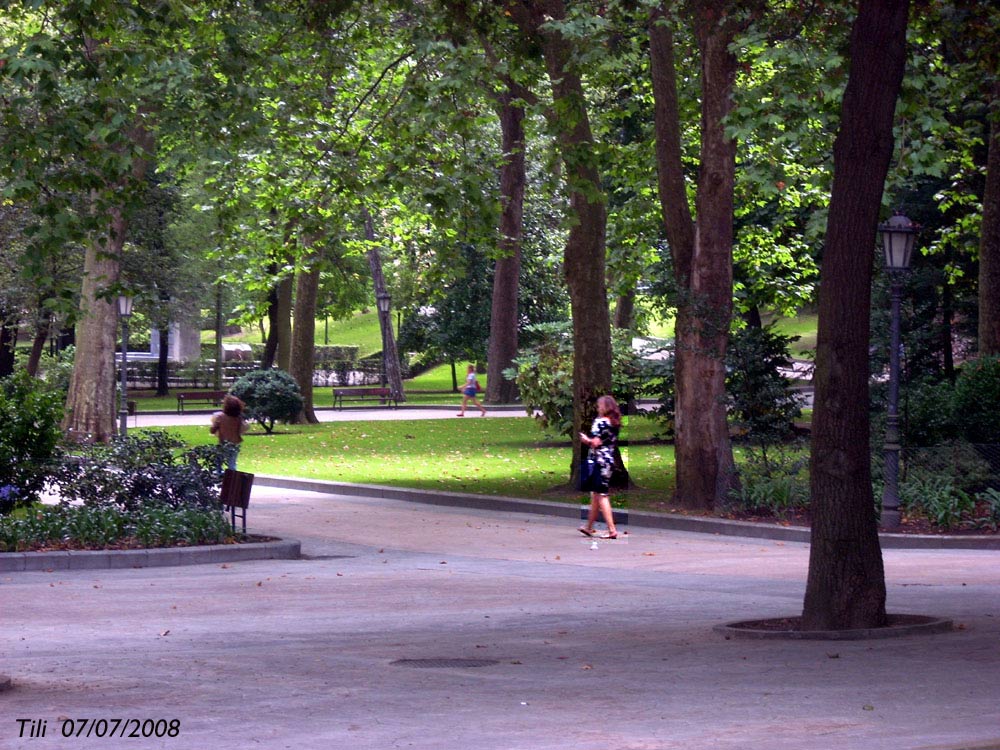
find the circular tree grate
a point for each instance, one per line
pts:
(444, 663)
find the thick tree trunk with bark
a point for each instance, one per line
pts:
(702, 259)
(584, 255)
(989, 240)
(846, 584)
(90, 403)
(507, 272)
(304, 340)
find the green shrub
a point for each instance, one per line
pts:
(30, 412)
(328, 354)
(544, 374)
(270, 396)
(928, 418)
(773, 481)
(74, 527)
(145, 467)
(988, 509)
(957, 460)
(936, 498)
(977, 400)
(762, 402)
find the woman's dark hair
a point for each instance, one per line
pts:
(232, 406)
(611, 410)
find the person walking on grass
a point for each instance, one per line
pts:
(469, 390)
(601, 447)
(230, 426)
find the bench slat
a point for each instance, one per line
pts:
(213, 397)
(340, 395)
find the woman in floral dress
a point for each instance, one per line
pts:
(601, 443)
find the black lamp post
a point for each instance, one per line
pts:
(898, 237)
(384, 301)
(124, 312)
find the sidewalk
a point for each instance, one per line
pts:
(606, 648)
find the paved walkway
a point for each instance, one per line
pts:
(582, 648)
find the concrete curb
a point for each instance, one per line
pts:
(15, 562)
(643, 519)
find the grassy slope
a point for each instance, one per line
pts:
(360, 330)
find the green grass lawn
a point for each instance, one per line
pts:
(361, 330)
(507, 457)
(803, 326)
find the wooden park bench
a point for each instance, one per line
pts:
(384, 396)
(208, 397)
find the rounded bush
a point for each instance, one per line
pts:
(977, 400)
(270, 396)
(30, 411)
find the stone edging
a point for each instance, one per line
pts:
(919, 625)
(643, 519)
(282, 549)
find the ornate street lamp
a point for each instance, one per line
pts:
(124, 313)
(898, 237)
(384, 302)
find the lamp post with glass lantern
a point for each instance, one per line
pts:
(384, 302)
(124, 312)
(898, 237)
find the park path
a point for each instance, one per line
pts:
(579, 648)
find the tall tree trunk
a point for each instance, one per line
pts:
(846, 584)
(304, 339)
(163, 363)
(8, 340)
(220, 354)
(989, 239)
(947, 316)
(38, 343)
(284, 323)
(584, 255)
(625, 311)
(702, 259)
(90, 403)
(390, 355)
(507, 273)
(271, 342)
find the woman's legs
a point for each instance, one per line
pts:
(592, 513)
(609, 516)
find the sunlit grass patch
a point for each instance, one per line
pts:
(507, 457)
